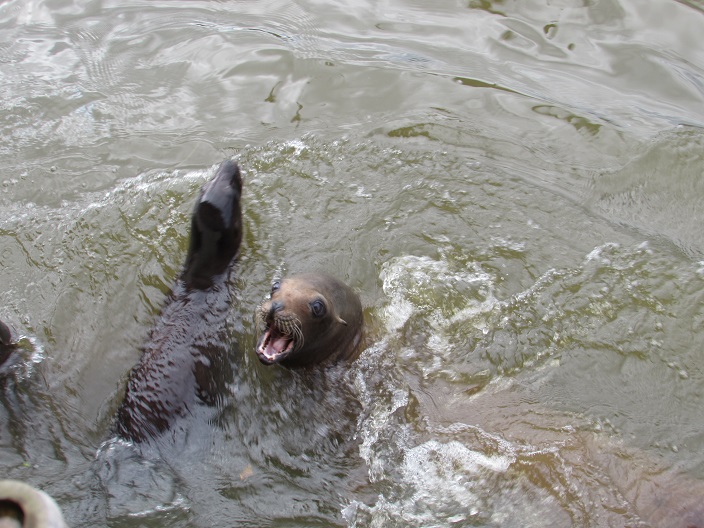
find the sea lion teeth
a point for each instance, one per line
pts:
(278, 341)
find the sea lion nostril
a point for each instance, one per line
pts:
(276, 306)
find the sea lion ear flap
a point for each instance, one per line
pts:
(341, 320)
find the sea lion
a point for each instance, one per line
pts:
(6, 344)
(185, 350)
(5, 335)
(309, 319)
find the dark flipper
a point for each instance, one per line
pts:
(216, 227)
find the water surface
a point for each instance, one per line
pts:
(514, 188)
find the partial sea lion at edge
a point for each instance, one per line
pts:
(309, 319)
(184, 351)
(6, 344)
(5, 334)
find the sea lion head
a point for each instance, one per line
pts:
(309, 319)
(216, 227)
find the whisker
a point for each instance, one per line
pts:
(298, 333)
(298, 341)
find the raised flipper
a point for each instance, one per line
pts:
(216, 227)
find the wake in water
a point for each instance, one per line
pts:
(459, 430)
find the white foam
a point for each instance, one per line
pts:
(413, 285)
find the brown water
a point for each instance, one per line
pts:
(514, 187)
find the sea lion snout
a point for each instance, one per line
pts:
(282, 334)
(276, 306)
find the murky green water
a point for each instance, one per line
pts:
(515, 189)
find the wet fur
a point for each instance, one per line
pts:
(186, 348)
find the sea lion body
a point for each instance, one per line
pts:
(309, 319)
(186, 347)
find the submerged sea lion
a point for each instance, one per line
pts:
(6, 344)
(185, 349)
(5, 334)
(309, 319)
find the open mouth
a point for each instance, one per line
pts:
(274, 346)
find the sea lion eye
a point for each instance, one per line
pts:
(275, 286)
(317, 308)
